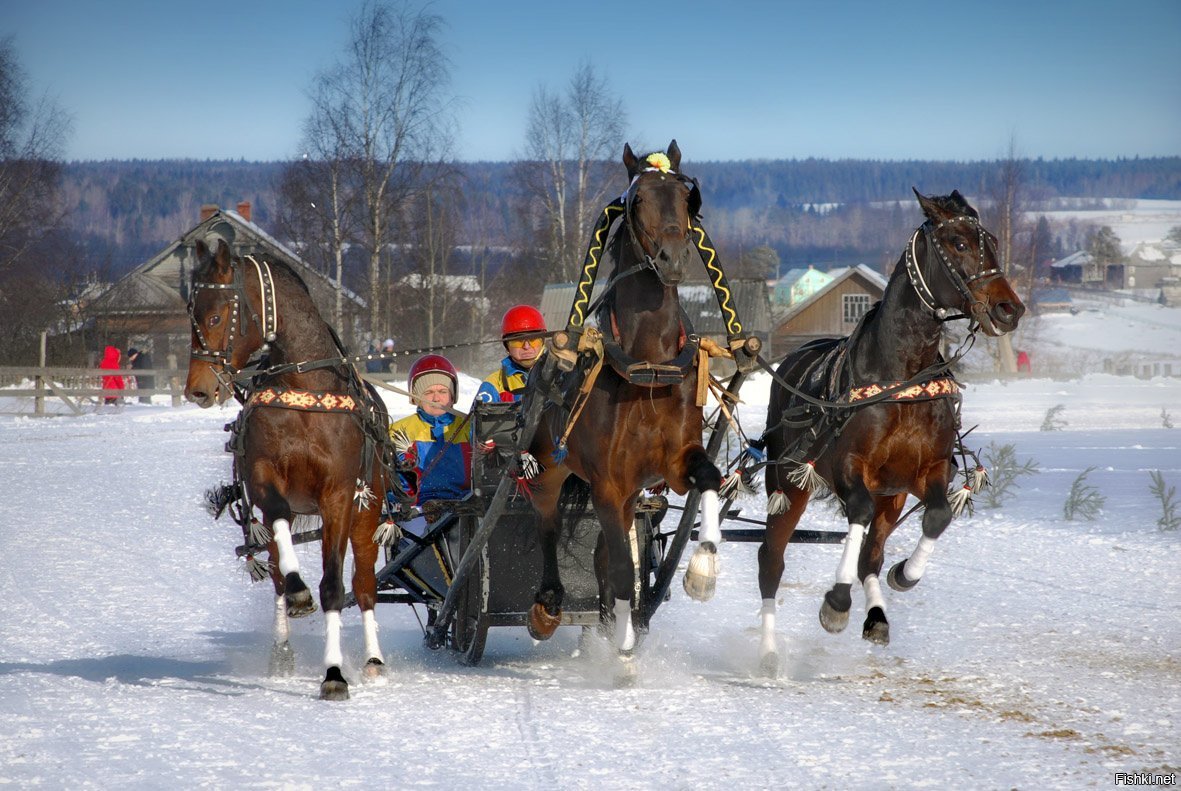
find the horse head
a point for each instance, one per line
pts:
(962, 270)
(226, 331)
(660, 206)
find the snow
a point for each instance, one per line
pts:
(1035, 653)
(1133, 220)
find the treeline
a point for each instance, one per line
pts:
(812, 210)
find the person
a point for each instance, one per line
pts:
(372, 366)
(110, 362)
(434, 446)
(522, 331)
(140, 360)
(387, 347)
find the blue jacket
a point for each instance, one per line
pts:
(440, 460)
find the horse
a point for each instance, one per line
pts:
(634, 431)
(874, 417)
(309, 439)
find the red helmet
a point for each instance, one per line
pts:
(521, 320)
(435, 364)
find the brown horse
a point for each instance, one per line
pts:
(902, 440)
(306, 441)
(634, 433)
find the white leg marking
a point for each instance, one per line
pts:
(916, 564)
(847, 570)
(873, 592)
(332, 655)
(709, 531)
(369, 624)
(767, 627)
(288, 562)
(282, 630)
(625, 636)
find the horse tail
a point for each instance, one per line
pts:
(573, 501)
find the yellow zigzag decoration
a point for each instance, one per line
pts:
(590, 266)
(733, 326)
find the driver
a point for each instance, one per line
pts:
(522, 331)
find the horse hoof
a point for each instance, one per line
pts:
(769, 665)
(299, 598)
(628, 673)
(334, 687)
(541, 624)
(701, 577)
(897, 580)
(876, 628)
(834, 611)
(282, 664)
(373, 669)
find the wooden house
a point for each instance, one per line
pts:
(831, 312)
(148, 307)
(796, 285)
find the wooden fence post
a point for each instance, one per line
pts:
(39, 381)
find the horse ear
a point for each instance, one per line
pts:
(221, 258)
(961, 201)
(629, 160)
(930, 208)
(674, 156)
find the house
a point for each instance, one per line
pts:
(797, 285)
(1079, 267)
(751, 302)
(1053, 300)
(831, 312)
(148, 307)
(1155, 265)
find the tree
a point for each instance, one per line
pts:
(571, 145)
(1174, 234)
(1104, 248)
(1004, 214)
(388, 122)
(32, 138)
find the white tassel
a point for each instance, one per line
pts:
(777, 503)
(257, 569)
(387, 533)
(959, 500)
(401, 441)
(805, 477)
(258, 533)
(978, 479)
(530, 469)
(364, 496)
(730, 485)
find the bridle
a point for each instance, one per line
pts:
(221, 360)
(628, 200)
(923, 289)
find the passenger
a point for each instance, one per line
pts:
(433, 445)
(522, 331)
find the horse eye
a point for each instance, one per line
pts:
(214, 320)
(960, 245)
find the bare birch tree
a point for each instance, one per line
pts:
(1005, 214)
(390, 121)
(571, 144)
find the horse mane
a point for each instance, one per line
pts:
(953, 204)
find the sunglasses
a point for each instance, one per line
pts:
(520, 343)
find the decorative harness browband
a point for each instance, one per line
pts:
(923, 289)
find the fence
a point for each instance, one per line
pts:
(76, 387)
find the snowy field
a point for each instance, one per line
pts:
(1037, 653)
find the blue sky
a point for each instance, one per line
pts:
(729, 80)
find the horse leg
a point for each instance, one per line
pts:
(771, 564)
(834, 611)
(615, 521)
(546, 613)
(876, 628)
(365, 585)
(333, 545)
(282, 661)
(299, 598)
(905, 574)
(701, 576)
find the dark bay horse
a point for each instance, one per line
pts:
(632, 435)
(307, 442)
(902, 440)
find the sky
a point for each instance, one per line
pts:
(729, 80)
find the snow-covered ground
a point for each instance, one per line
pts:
(1036, 653)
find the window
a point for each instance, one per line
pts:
(854, 307)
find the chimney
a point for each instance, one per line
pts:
(208, 210)
(244, 210)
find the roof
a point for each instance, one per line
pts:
(1080, 258)
(862, 272)
(1052, 295)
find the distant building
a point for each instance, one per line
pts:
(797, 285)
(831, 312)
(1052, 300)
(148, 307)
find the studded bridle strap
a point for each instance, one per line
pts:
(628, 201)
(919, 282)
(268, 323)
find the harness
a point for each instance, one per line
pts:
(923, 289)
